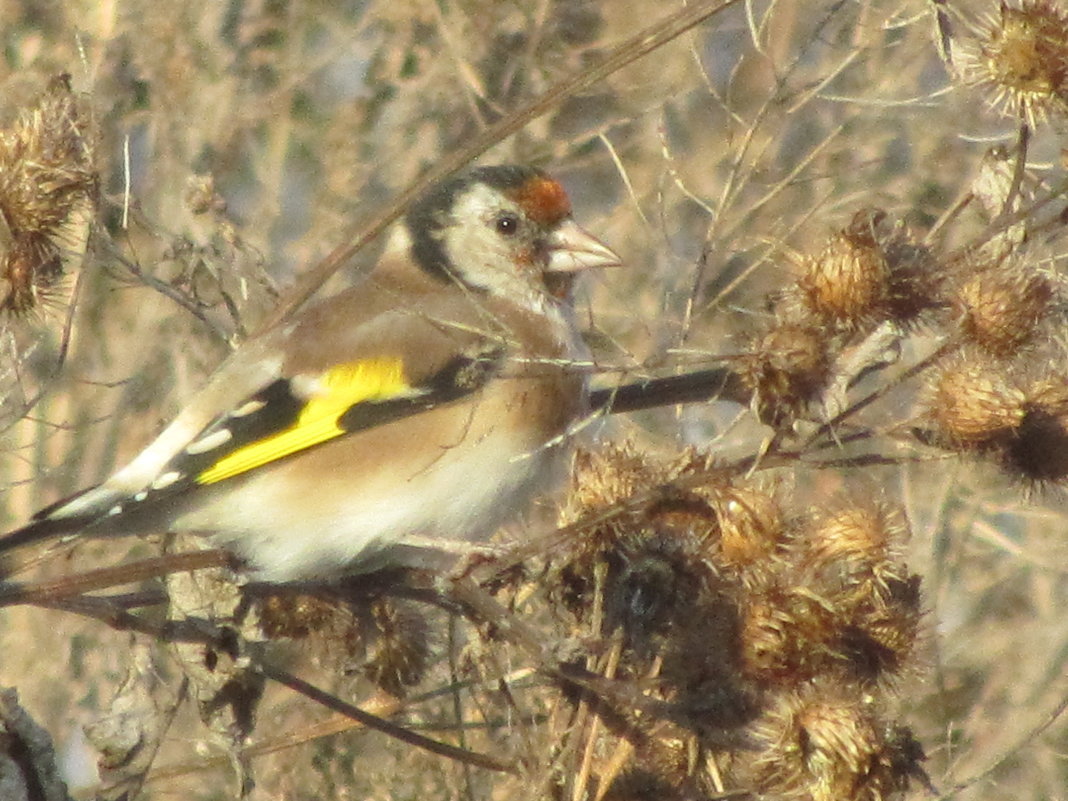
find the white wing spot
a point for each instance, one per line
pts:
(140, 496)
(115, 510)
(166, 480)
(246, 409)
(210, 442)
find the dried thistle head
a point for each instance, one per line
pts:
(826, 743)
(786, 634)
(31, 268)
(793, 635)
(637, 555)
(838, 600)
(880, 628)
(849, 280)
(701, 663)
(662, 766)
(1000, 308)
(852, 542)
(607, 476)
(978, 404)
(1038, 450)
(786, 369)
(611, 477)
(750, 527)
(973, 402)
(388, 639)
(201, 196)
(398, 651)
(914, 275)
(650, 575)
(294, 616)
(755, 630)
(47, 191)
(1020, 59)
(868, 272)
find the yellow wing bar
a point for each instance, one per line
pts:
(337, 391)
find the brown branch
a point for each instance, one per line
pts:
(46, 592)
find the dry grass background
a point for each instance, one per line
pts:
(207, 153)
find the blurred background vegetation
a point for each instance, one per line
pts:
(841, 576)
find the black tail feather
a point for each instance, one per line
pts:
(47, 523)
(40, 530)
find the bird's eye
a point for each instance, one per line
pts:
(506, 224)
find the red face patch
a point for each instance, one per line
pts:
(544, 200)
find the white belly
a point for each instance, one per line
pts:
(359, 523)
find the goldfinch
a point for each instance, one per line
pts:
(423, 407)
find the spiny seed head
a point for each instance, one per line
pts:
(400, 648)
(785, 633)
(815, 745)
(786, 369)
(880, 629)
(641, 559)
(659, 766)
(31, 267)
(855, 541)
(836, 600)
(600, 480)
(606, 476)
(835, 740)
(47, 190)
(766, 637)
(699, 657)
(850, 278)
(868, 272)
(1001, 307)
(1021, 60)
(914, 277)
(295, 616)
(827, 744)
(750, 525)
(973, 402)
(617, 473)
(1038, 450)
(662, 759)
(389, 639)
(46, 159)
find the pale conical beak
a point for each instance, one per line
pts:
(572, 249)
